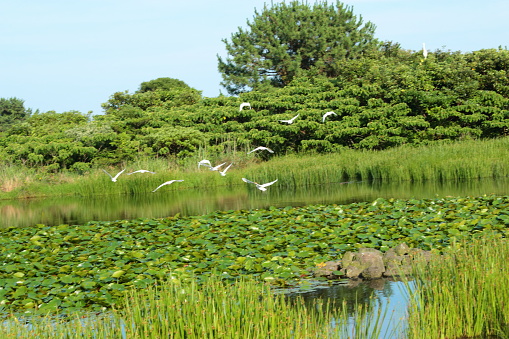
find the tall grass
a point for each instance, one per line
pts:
(215, 309)
(463, 160)
(463, 295)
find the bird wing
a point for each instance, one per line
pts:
(326, 115)
(116, 176)
(226, 169)
(167, 183)
(268, 149)
(244, 104)
(268, 184)
(108, 174)
(217, 167)
(248, 181)
(295, 117)
(204, 162)
(141, 171)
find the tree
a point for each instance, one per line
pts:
(161, 92)
(286, 39)
(12, 110)
(165, 84)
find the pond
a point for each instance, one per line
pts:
(391, 296)
(79, 210)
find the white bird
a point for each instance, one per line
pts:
(424, 51)
(205, 163)
(223, 173)
(167, 183)
(261, 187)
(326, 115)
(141, 171)
(114, 179)
(261, 148)
(289, 122)
(244, 104)
(216, 168)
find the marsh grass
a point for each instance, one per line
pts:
(465, 160)
(215, 309)
(464, 294)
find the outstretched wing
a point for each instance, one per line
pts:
(167, 183)
(268, 184)
(205, 163)
(244, 104)
(108, 174)
(116, 176)
(223, 172)
(141, 171)
(248, 181)
(217, 167)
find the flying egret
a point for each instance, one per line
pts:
(244, 104)
(167, 183)
(289, 122)
(327, 114)
(141, 171)
(223, 173)
(205, 163)
(114, 179)
(424, 51)
(261, 148)
(261, 187)
(216, 168)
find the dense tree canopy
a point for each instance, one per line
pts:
(286, 39)
(12, 110)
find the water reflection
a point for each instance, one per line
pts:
(76, 210)
(391, 298)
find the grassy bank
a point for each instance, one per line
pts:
(464, 294)
(438, 162)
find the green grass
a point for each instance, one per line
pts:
(214, 309)
(463, 295)
(463, 160)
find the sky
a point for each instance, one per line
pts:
(63, 55)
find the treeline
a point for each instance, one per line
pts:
(382, 100)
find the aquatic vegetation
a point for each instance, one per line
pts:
(439, 162)
(47, 268)
(210, 309)
(464, 294)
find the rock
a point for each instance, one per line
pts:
(327, 269)
(370, 263)
(373, 263)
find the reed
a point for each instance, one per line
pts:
(463, 295)
(464, 160)
(215, 309)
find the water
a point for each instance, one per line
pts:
(79, 210)
(390, 296)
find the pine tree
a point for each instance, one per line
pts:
(285, 40)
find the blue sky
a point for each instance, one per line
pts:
(73, 55)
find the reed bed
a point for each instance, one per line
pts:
(440, 162)
(215, 309)
(464, 294)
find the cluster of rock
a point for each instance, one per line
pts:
(370, 263)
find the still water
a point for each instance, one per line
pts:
(163, 203)
(390, 295)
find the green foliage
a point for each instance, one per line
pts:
(286, 39)
(165, 84)
(386, 98)
(12, 111)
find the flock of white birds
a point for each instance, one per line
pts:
(206, 163)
